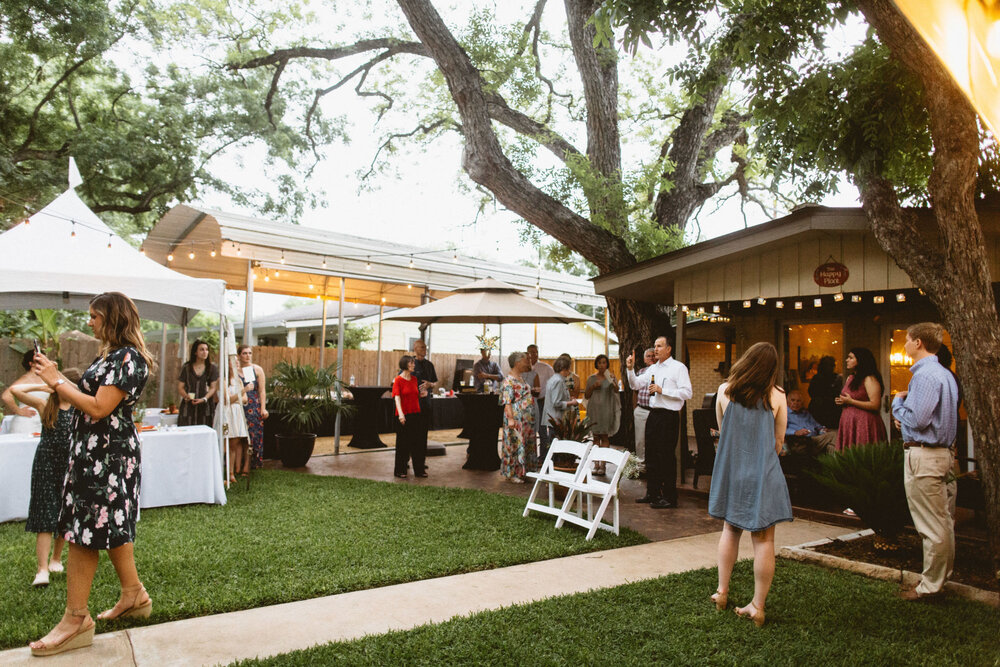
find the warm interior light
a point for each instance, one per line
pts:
(855, 298)
(878, 299)
(817, 303)
(716, 309)
(779, 304)
(718, 346)
(746, 304)
(900, 298)
(839, 296)
(761, 300)
(798, 305)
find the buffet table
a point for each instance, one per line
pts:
(179, 467)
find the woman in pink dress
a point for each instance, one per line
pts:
(861, 400)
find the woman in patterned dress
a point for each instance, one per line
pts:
(256, 405)
(48, 472)
(101, 494)
(197, 385)
(518, 421)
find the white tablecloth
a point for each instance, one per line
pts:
(179, 467)
(5, 424)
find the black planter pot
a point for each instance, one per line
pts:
(295, 449)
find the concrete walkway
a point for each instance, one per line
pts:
(267, 631)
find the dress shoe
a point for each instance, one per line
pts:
(663, 504)
(646, 499)
(911, 595)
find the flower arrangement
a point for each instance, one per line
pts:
(487, 343)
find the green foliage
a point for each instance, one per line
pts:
(305, 394)
(869, 480)
(815, 616)
(354, 336)
(571, 427)
(347, 534)
(105, 83)
(42, 323)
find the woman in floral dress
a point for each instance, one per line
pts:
(256, 405)
(518, 421)
(101, 494)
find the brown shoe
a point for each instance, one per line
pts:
(911, 595)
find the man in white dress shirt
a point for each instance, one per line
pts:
(669, 386)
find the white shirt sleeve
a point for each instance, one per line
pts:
(633, 379)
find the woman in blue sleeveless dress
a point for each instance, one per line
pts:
(748, 489)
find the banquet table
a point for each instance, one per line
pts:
(366, 399)
(483, 418)
(179, 466)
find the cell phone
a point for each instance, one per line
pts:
(38, 349)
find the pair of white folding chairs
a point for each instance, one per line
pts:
(580, 485)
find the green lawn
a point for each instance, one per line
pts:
(815, 617)
(293, 537)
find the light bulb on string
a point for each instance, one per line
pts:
(368, 264)
(282, 256)
(142, 249)
(191, 255)
(170, 256)
(72, 229)
(409, 286)
(267, 278)
(324, 261)
(239, 250)
(454, 258)
(212, 254)
(109, 241)
(277, 274)
(411, 261)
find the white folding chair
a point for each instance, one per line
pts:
(587, 485)
(551, 477)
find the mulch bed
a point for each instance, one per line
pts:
(972, 559)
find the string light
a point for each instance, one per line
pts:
(324, 261)
(839, 296)
(191, 255)
(798, 305)
(746, 304)
(454, 258)
(368, 264)
(72, 229)
(878, 299)
(170, 256)
(855, 298)
(277, 274)
(383, 299)
(411, 261)
(239, 250)
(761, 300)
(779, 304)
(311, 286)
(212, 254)
(109, 241)
(267, 278)
(142, 249)
(409, 286)
(716, 309)
(900, 298)
(282, 256)
(817, 303)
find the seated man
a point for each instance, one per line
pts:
(804, 434)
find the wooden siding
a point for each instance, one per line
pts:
(787, 271)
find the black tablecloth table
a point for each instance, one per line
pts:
(366, 399)
(483, 418)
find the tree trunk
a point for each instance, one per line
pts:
(952, 268)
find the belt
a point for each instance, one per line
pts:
(908, 445)
(644, 407)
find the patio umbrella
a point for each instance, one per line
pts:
(489, 301)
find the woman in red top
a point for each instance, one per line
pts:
(406, 394)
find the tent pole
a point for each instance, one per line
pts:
(340, 357)
(160, 391)
(184, 335)
(322, 331)
(248, 311)
(223, 394)
(378, 359)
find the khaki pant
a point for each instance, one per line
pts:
(640, 415)
(931, 502)
(813, 445)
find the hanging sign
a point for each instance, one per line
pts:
(831, 274)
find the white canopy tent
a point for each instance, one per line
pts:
(64, 255)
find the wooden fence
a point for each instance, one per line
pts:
(79, 351)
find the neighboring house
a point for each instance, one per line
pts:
(300, 327)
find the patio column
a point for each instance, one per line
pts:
(678, 354)
(378, 359)
(322, 329)
(248, 311)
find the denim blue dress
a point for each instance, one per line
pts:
(748, 489)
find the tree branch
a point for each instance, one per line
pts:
(332, 53)
(422, 129)
(484, 160)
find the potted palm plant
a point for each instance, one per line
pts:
(304, 395)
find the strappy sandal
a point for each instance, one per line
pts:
(757, 615)
(136, 610)
(83, 637)
(721, 599)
